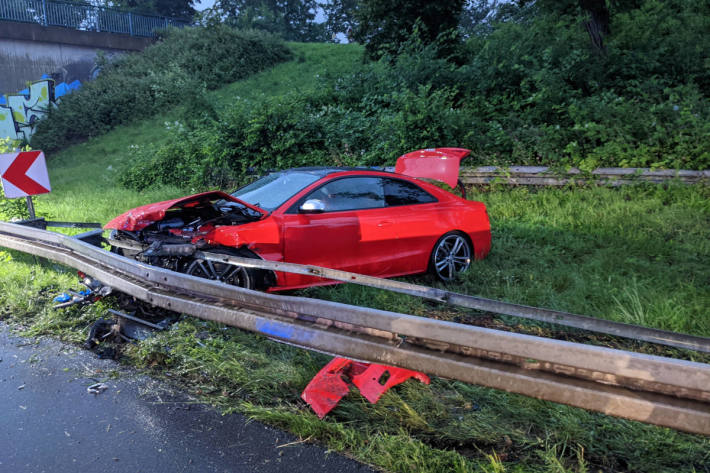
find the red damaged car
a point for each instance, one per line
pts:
(361, 220)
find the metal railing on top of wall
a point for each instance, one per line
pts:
(85, 17)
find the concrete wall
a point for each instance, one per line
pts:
(29, 50)
(23, 61)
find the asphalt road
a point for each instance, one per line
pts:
(50, 423)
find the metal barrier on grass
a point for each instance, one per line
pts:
(658, 390)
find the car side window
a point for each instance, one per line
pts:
(351, 193)
(399, 192)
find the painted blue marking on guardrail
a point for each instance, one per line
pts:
(277, 329)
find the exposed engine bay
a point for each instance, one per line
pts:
(179, 232)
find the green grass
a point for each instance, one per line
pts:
(637, 254)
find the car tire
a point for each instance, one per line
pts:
(233, 275)
(451, 256)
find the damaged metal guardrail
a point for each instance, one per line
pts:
(608, 327)
(657, 390)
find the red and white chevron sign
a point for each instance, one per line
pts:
(24, 174)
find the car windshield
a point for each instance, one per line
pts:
(274, 189)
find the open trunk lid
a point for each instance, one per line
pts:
(439, 164)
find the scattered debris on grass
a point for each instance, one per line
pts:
(94, 292)
(331, 383)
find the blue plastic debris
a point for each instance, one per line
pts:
(63, 297)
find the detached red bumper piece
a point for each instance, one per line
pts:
(331, 383)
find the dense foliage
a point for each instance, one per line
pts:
(532, 91)
(185, 62)
(384, 25)
(172, 8)
(293, 20)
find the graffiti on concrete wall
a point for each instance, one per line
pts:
(19, 112)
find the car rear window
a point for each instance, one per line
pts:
(399, 192)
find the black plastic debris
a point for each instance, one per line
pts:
(99, 331)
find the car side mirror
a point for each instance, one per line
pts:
(312, 206)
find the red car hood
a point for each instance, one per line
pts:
(140, 217)
(440, 164)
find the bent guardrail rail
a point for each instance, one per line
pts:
(658, 390)
(593, 324)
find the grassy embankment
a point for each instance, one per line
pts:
(639, 255)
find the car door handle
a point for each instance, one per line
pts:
(384, 223)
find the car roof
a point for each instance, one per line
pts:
(325, 170)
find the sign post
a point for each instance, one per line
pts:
(24, 174)
(30, 206)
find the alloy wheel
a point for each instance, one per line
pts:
(452, 256)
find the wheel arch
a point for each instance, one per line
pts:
(268, 277)
(456, 230)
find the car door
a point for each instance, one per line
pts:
(353, 233)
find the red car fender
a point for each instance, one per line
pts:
(263, 237)
(476, 223)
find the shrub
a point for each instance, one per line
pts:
(183, 63)
(532, 91)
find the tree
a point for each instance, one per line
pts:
(170, 8)
(340, 17)
(476, 14)
(596, 11)
(294, 20)
(384, 25)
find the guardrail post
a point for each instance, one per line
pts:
(44, 13)
(130, 24)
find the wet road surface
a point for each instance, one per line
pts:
(50, 423)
